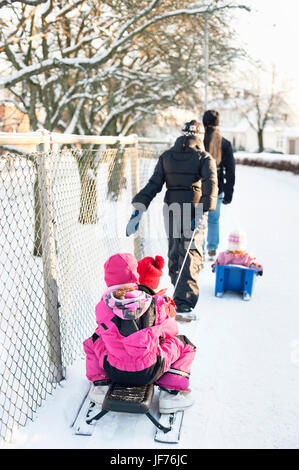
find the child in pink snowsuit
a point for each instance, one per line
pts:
(136, 341)
(237, 253)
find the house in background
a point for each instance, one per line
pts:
(291, 138)
(13, 120)
(281, 135)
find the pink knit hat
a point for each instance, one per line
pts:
(121, 269)
(237, 241)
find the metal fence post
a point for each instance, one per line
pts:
(49, 258)
(135, 179)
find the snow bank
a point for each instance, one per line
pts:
(282, 162)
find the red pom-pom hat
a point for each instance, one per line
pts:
(150, 271)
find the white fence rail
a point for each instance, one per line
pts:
(45, 137)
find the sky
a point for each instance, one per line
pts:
(270, 32)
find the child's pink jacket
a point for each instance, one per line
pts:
(156, 352)
(153, 354)
(139, 350)
(227, 257)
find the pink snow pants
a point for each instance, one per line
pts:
(177, 352)
(177, 363)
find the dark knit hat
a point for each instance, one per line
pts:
(150, 271)
(211, 118)
(192, 128)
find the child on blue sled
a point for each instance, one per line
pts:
(237, 253)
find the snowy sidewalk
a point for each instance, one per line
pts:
(246, 374)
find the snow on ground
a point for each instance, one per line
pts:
(245, 377)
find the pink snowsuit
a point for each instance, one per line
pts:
(227, 257)
(151, 352)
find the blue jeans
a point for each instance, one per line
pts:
(213, 226)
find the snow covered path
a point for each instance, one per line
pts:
(245, 378)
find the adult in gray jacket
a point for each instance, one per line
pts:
(190, 175)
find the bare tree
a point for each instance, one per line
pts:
(262, 104)
(89, 66)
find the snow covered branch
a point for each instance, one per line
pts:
(95, 66)
(99, 59)
(26, 2)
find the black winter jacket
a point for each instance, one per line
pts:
(190, 175)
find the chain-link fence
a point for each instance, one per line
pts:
(63, 213)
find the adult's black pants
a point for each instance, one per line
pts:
(177, 221)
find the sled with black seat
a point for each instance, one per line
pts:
(129, 399)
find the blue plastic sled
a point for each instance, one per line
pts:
(234, 278)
